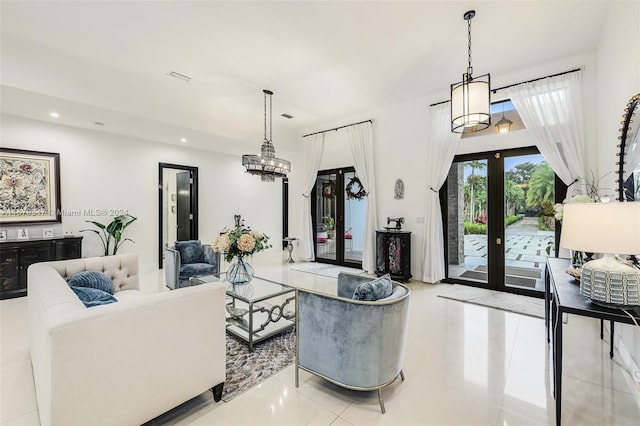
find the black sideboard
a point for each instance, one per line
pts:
(16, 256)
(393, 254)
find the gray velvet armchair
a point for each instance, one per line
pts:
(355, 344)
(188, 259)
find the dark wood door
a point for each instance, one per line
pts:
(183, 206)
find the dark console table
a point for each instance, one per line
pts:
(393, 254)
(563, 293)
(17, 255)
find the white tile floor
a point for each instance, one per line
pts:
(464, 365)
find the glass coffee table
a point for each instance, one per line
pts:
(257, 310)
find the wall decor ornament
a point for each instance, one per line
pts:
(29, 187)
(355, 190)
(399, 189)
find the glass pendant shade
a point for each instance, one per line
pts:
(503, 125)
(266, 165)
(471, 103)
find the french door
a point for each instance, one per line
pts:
(500, 225)
(338, 218)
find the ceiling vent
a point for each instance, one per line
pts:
(179, 76)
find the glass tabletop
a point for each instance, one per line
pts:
(256, 290)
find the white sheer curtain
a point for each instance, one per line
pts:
(441, 148)
(312, 149)
(361, 142)
(551, 109)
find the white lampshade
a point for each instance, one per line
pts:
(471, 103)
(601, 228)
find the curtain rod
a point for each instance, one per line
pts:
(338, 128)
(522, 82)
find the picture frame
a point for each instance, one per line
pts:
(23, 234)
(47, 233)
(30, 187)
(3, 235)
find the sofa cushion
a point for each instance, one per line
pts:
(374, 290)
(190, 251)
(91, 279)
(92, 296)
(197, 269)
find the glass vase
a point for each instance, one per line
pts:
(240, 272)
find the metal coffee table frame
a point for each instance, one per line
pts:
(264, 319)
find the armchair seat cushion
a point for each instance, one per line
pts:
(194, 269)
(190, 251)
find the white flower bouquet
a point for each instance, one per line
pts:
(240, 241)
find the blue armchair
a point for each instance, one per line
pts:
(188, 259)
(355, 344)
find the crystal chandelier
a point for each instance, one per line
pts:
(266, 165)
(470, 98)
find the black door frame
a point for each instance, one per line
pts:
(339, 222)
(495, 228)
(194, 203)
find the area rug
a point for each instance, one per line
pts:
(494, 299)
(324, 269)
(247, 369)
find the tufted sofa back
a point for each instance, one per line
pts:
(122, 269)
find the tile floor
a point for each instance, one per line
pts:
(464, 365)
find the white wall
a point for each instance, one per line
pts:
(400, 140)
(618, 80)
(105, 171)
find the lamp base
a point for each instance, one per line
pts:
(610, 283)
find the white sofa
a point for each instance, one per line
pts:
(126, 362)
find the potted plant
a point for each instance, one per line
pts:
(112, 232)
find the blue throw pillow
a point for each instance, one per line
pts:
(190, 251)
(92, 296)
(374, 290)
(91, 279)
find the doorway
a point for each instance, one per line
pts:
(338, 217)
(177, 207)
(499, 216)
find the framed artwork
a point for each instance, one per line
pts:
(47, 233)
(3, 235)
(23, 234)
(29, 187)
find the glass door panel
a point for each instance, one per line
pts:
(529, 197)
(326, 208)
(355, 213)
(467, 220)
(499, 213)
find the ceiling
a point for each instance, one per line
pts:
(107, 61)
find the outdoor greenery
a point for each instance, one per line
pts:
(479, 226)
(529, 190)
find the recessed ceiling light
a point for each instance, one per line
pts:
(183, 140)
(54, 114)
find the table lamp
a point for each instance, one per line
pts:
(608, 229)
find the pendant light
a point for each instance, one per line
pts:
(266, 165)
(504, 124)
(471, 98)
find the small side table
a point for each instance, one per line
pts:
(290, 241)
